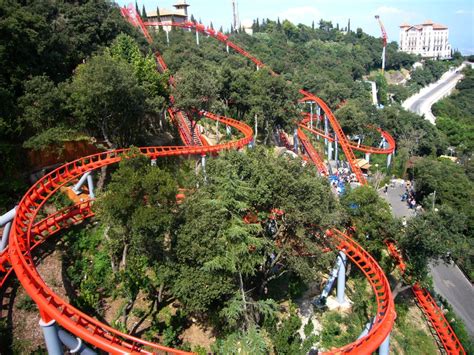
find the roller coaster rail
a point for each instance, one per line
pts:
(27, 233)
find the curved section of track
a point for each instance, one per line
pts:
(448, 339)
(26, 234)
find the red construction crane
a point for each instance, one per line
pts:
(384, 41)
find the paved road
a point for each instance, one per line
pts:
(421, 103)
(448, 280)
(451, 283)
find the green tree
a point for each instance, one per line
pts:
(107, 100)
(153, 83)
(136, 211)
(431, 236)
(243, 257)
(196, 89)
(371, 216)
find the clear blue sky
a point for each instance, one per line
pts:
(458, 15)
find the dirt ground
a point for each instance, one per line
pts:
(27, 334)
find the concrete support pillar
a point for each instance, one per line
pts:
(153, 162)
(336, 149)
(367, 157)
(51, 338)
(384, 348)
(389, 160)
(167, 37)
(77, 188)
(227, 47)
(203, 161)
(75, 345)
(258, 68)
(341, 278)
(90, 185)
(295, 140)
(197, 37)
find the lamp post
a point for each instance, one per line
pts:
(377, 177)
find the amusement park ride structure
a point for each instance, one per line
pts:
(64, 324)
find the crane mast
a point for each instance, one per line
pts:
(384, 41)
(235, 12)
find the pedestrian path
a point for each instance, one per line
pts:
(393, 197)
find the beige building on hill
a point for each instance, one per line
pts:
(179, 14)
(428, 39)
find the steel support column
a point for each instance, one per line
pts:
(77, 188)
(366, 329)
(341, 278)
(51, 338)
(384, 348)
(7, 217)
(318, 117)
(6, 220)
(326, 129)
(90, 185)
(75, 345)
(5, 234)
(295, 141)
(389, 160)
(197, 37)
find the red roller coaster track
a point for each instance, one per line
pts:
(347, 146)
(447, 337)
(26, 234)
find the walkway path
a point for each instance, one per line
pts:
(421, 102)
(448, 279)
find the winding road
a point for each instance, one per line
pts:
(450, 282)
(421, 102)
(448, 279)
